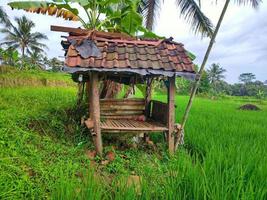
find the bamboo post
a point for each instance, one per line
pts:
(147, 102)
(200, 73)
(80, 93)
(148, 96)
(87, 89)
(171, 113)
(95, 111)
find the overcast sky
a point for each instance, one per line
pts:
(241, 45)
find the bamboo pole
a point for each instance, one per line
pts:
(171, 114)
(95, 112)
(200, 73)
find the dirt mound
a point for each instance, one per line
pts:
(249, 107)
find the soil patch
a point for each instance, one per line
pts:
(249, 107)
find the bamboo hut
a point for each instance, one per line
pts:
(118, 57)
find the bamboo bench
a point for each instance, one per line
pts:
(128, 115)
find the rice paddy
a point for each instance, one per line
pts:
(43, 152)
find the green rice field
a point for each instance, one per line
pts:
(44, 152)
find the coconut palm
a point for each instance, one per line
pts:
(20, 36)
(215, 73)
(190, 10)
(255, 4)
(36, 59)
(4, 19)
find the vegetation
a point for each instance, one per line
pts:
(116, 15)
(12, 77)
(44, 152)
(190, 10)
(21, 36)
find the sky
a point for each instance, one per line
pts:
(241, 44)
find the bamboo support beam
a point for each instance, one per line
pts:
(200, 73)
(147, 102)
(95, 111)
(171, 113)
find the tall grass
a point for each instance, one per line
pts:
(42, 153)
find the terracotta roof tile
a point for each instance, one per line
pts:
(136, 54)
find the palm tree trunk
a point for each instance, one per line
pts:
(200, 73)
(150, 15)
(22, 56)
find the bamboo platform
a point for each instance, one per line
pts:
(128, 125)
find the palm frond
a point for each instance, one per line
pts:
(253, 3)
(4, 19)
(150, 10)
(20, 35)
(55, 8)
(195, 17)
(38, 36)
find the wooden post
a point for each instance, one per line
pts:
(148, 96)
(87, 89)
(147, 102)
(171, 113)
(95, 111)
(80, 93)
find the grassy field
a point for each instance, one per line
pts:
(44, 152)
(12, 77)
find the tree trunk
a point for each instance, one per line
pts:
(23, 56)
(110, 89)
(150, 14)
(200, 73)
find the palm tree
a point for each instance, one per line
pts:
(56, 64)
(4, 19)
(189, 9)
(255, 4)
(20, 36)
(215, 73)
(36, 59)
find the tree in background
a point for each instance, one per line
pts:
(204, 86)
(9, 57)
(215, 75)
(21, 36)
(36, 59)
(55, 64)
(246, 77)
(4, 18)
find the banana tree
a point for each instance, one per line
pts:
(111, 15)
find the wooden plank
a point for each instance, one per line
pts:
(123, 100)
(68, 29)
(171, 113)
(122, 112)
(132, 125)
(132, 117)
(159, 112)
(155, 128)
(122, 103)
(121, 107)
(96, 111)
